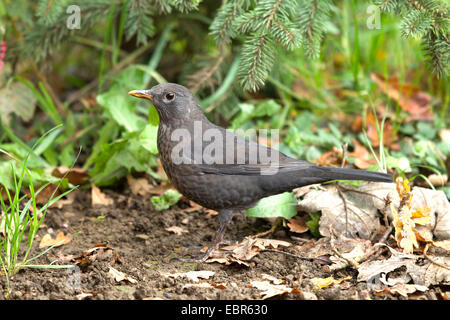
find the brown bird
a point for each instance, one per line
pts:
(224, 171)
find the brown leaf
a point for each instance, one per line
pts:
(409, 98)
(438, 180)
(177, 230)
(60, 239)
(120, 276)
(270, 290)
(45, 195)
(403, 289)
(331, 158)
(99, 198)
(76, 176)
(363, 158)
(371, 130)
(297, 224)
(193, 207)
(99, 251)
(246, 250)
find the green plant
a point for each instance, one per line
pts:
(21, 219)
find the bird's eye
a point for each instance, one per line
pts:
(170, 96)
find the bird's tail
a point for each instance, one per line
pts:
(353, 174)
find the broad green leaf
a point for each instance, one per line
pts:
(120, 108)
(280, 205)
(168, 199)
(148, 137)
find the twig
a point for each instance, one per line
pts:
(427, 246)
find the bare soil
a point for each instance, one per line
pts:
(136, 243)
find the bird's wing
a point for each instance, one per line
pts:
(250, 169)
(240, 156)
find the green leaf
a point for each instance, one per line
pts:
(280, 205)
(313, 224)
(401, 163)
(245, 114)
(267, 108)
(168, 199)
(120, 108)
(148, 138)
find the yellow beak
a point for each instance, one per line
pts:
(141, 94)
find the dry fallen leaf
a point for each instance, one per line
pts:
(402, 289)
(320, 283)
(99, 198)
(191, 275)
(177, 230)
(297, 225)
(139, 186)
(363, 158)
(444, 244)
(120, 276)
(270, 290)
(87, 294)
(245, 250)
(60, 239)
(271, 278)
(44, 196)
(361, 218)
(76, 176)
(438, 180)
(371, 271)
(101, 252)
(371, 129)
(331, 158)
(417, 103)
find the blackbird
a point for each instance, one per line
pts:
(224, 171)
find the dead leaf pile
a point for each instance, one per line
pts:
(383, 276)
(353, 212)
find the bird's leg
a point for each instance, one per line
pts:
(224, 219)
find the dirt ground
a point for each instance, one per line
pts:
(134, 241)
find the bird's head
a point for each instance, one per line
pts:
(172, 101)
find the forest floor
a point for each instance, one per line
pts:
(126, 250)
